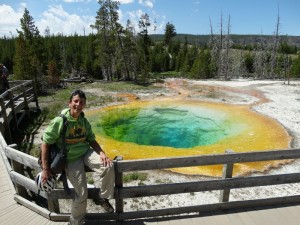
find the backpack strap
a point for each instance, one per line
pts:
(64, 153)
(63, 135)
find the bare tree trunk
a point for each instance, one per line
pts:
(260, 62)
(275, 48)
(214, 47)
(227, 62)
(221, 53)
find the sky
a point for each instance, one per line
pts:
(68, 17)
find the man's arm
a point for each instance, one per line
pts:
(45, 164)
(97, 148)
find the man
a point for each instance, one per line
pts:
(83, 150)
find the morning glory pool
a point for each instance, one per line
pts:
(167, 128)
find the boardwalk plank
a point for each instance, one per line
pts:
(26, 216)
(274, 217)
(244, 218)
(6, 202)
(163, 222)
(186, 221)
(34, 219)
(4, 187)
(285, 215)
(294, 212)
(7, 208)
(14, 216)
(222, 219)
(206, 220)
(5, 193)
(265, 216)
(257, 218)
(176, 222)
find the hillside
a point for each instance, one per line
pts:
(237, 39)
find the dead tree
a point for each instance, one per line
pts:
(274, 48)
(213, 44)
(261, 59)
(228, 61)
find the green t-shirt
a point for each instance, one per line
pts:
(78, 134)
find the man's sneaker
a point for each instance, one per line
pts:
(104, 203)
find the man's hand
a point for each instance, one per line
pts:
(105, 160)
(46, 174)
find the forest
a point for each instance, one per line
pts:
(117, 53)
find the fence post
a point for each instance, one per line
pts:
(35, 95)
(227, 173)
(7, 133)
(53, 204)
(118, 186)
(19, 168)
(25, 100)
(12, 105)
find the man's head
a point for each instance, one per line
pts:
(80, 93)
(77, 103)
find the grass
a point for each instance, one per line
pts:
(57, 100)
(135, 176)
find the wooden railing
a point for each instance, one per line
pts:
(14, 158)
(14, 105)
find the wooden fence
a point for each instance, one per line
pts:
(15, 162)
(14, 105)
(14, 158)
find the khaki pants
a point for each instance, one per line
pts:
(76, 175)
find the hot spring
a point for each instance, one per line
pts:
(168, 128)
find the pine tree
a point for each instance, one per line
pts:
(170, 32)
(111, 50)
(144, 44)
(29, 58)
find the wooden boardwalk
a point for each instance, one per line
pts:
(12, 213)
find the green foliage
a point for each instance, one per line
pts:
(249, 62)
(7, 46)
(134, 177)
(285, 48)
(29, 58)
(170, 32)
(295, 70)
(202, 66)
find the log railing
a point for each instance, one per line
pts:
(14, 105)
(224, 184)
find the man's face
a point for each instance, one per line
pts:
(76, 105)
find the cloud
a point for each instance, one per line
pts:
(61, 22)
(72, 1)
(125, 1)
(147, 3)
(10, 19)
(134, 17)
